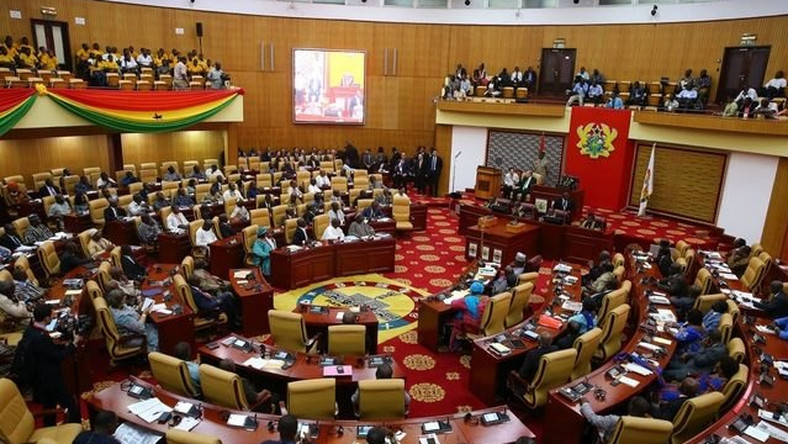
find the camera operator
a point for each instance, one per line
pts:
(41, 359)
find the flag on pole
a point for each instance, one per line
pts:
(648, 183)
(542, 144)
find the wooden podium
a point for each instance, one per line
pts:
(488, 182)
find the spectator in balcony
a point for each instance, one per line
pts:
(529, 78)
(687, 81)
(578, 91)
(731, 108)
(180, 76)
(615, 101)
(145, 60)
(766, 109)
(704, 85)
(48, 60)
(216, 77)
(597, 77)
(483, 75)
(747, 107)
(465, 85)
(195, 69)
(6, 60)
(595, 93)
(517, 77)
(476, 78)
(583, 74)
(637, 95)
(27, 60)
(687, 97)
(504, 79)
(127, 63)
(747, 92)
(776, 86)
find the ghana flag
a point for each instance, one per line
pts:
(14, 104)
(144, 111)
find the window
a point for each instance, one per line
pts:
(432, 3)
(504, 4)
(540, 3)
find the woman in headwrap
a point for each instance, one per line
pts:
(470, 310)
(261, 250)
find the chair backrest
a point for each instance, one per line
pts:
(736, 349)
(279, 215)
(193, 227)
(733, 310)
(632, 429)
(610, 343)
(339, 183)
(222, 388)
(618, 260)
(704, 303)
(16, 422)
(753, 275)
(756, 249)
(610, 301)
(586, 345)
(290, 229)
(520, 296)
(185, 292)
(400, 209)
(694, 415)
(726, 327)
(319, 225)
(70, 184)
(248, 238)
(767, 260)
(21, 225)
(84, 240)
(175, 436)
(312, 398)
(381, 399)
(703, 280)
(135, 187)
(187, 267)
(39, 179)
(108, 328)
(50, 262)
(97, 207)
(103, 275)
(553, 371)
(363, 204)
(47, 202)
(347, 340)
(22, 263)
(260, 217)
(93, 289)
(172, 374)
(287, 330)
(619, 273)
(498, 307)
(114, 256)
(531, 276)
(734, 387)
(681, 248)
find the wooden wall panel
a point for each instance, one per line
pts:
(180, 146)
(687, 182)
(775, 229)
(30, 156)
(400, 107)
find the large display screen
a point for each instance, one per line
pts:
(328, 86)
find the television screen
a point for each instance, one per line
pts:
(328, 86)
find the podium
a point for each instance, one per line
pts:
(488, 182)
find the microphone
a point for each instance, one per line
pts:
(458, 154)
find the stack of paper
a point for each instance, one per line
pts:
(130, 434)
(572, 306)
(241, 274)
(429, 439)
(628, 381)
(639, 369)
(562, 268)
(256, 363)
(664, 315)
(455, 295)
(149, 410)
(236, 420)
(728, 276)
(187, 424)
(659, 300)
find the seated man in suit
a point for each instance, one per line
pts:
(687, 390)
(131, 268)
(701, 362)
(564, 204)
(104, 425)
(595, 269)
(263, 399)
(523, 187)
(48, 189)
(777, 305)
(591, 222)
(373, 212)
(605, 281)
(71, 258)
(212, 300)
(113, 212)
(532, 358)
(674, 285)
(10, 239)
(301, 236)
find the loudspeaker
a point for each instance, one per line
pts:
(199, 29)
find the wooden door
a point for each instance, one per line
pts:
(742, 66)
(557, 70)
(53, 35)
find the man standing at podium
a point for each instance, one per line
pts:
(434, 166)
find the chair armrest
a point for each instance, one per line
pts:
(516, 383)
(312, 341)
(131, 336)
(283, 407)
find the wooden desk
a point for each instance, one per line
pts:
(469, 216)
(490, 371)
(552, 194)
(433, 314)
(121, 232)
(418, 216)
(173, 328)
(256, 297)
(318, 322)
(173, 247)
(499, 242)
(226, 254)
(77, 223)
(364, 257)
(563, 421)
(115, 399)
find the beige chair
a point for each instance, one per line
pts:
(93, 290)
(610, 301)
(610, 343)
(586, 346)
(120, 347)
(681, 248)
(18, 425)
(84, 240)
(222, 388)
(290, 229)
(618, 260)
(498, 307)
(248, 238)
(726, 327)
(553, 371)
(312, 398)
(201, 322)
(40, 178)
(22, 263)
(520, 297)
(288, 331)
(634, 430)
(49, 259)
(260, 217)
(734, 388)
(172, 374)
(347, 340)
(753, 275)
(279, 214)
(736, 349)
(187, 267)
(381, 399)
(704, 303)
(704, 281)
(174, 436)
(400, 210)
(733, 310)
(531, 276)
(694, 415)
(103, 276)
(319, 225)
(96, 208)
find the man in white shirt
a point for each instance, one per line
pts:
(313, 188)
(59, 210)
(180, 75)
(104, 181)
(232, 191)
(595, 93)
(517, 76)
(176, 221)
(333, 232)
(583, 73)
(214, 171)
(293, 189)
(775, 86)
(747, 91)
(336, 213)
(128, 64)
(240, 213)
(205, 235)
(510, 180)
(144, 59)
(322, 180)
(138, 207)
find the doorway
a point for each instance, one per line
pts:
(742, 66)
(53, 35)
(557, 70)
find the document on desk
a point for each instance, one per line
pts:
(628, 381)
(148, 303)
(662, 341)
(765, 330)
(236, 420)
(658, 299)
(639, 369)
(664, 315)
(187, 424)
(149, 410)
(429, 439)
(757, 432)
(728, 276)
(562, 268)
(256, 363)
(769, 416)
(241, 274)
(130, 434)
(455, 295)
(572, 306)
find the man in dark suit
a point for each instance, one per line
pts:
(564, 203)
(674, 285)
(373, 212)
(113, 211)
(400, 173)
(288, 428)
(131, 268)
(523, 187)
(40, 365)
(777, 307)
(10, 239)
(48, 189)
(301, 236)
(702, 361)
(367, 160)
(434, 167)
(532, 358)
(687, 390)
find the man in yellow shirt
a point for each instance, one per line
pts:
(133, 53)
(11, 48)
(26, 59)
(204, 63)
(109, 65)
(195, 69)
(95, 51)
(6, 61)
(48, 61)
(84, 52)
(25, 43)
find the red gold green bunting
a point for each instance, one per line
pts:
(144, 112)
(14, 104)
